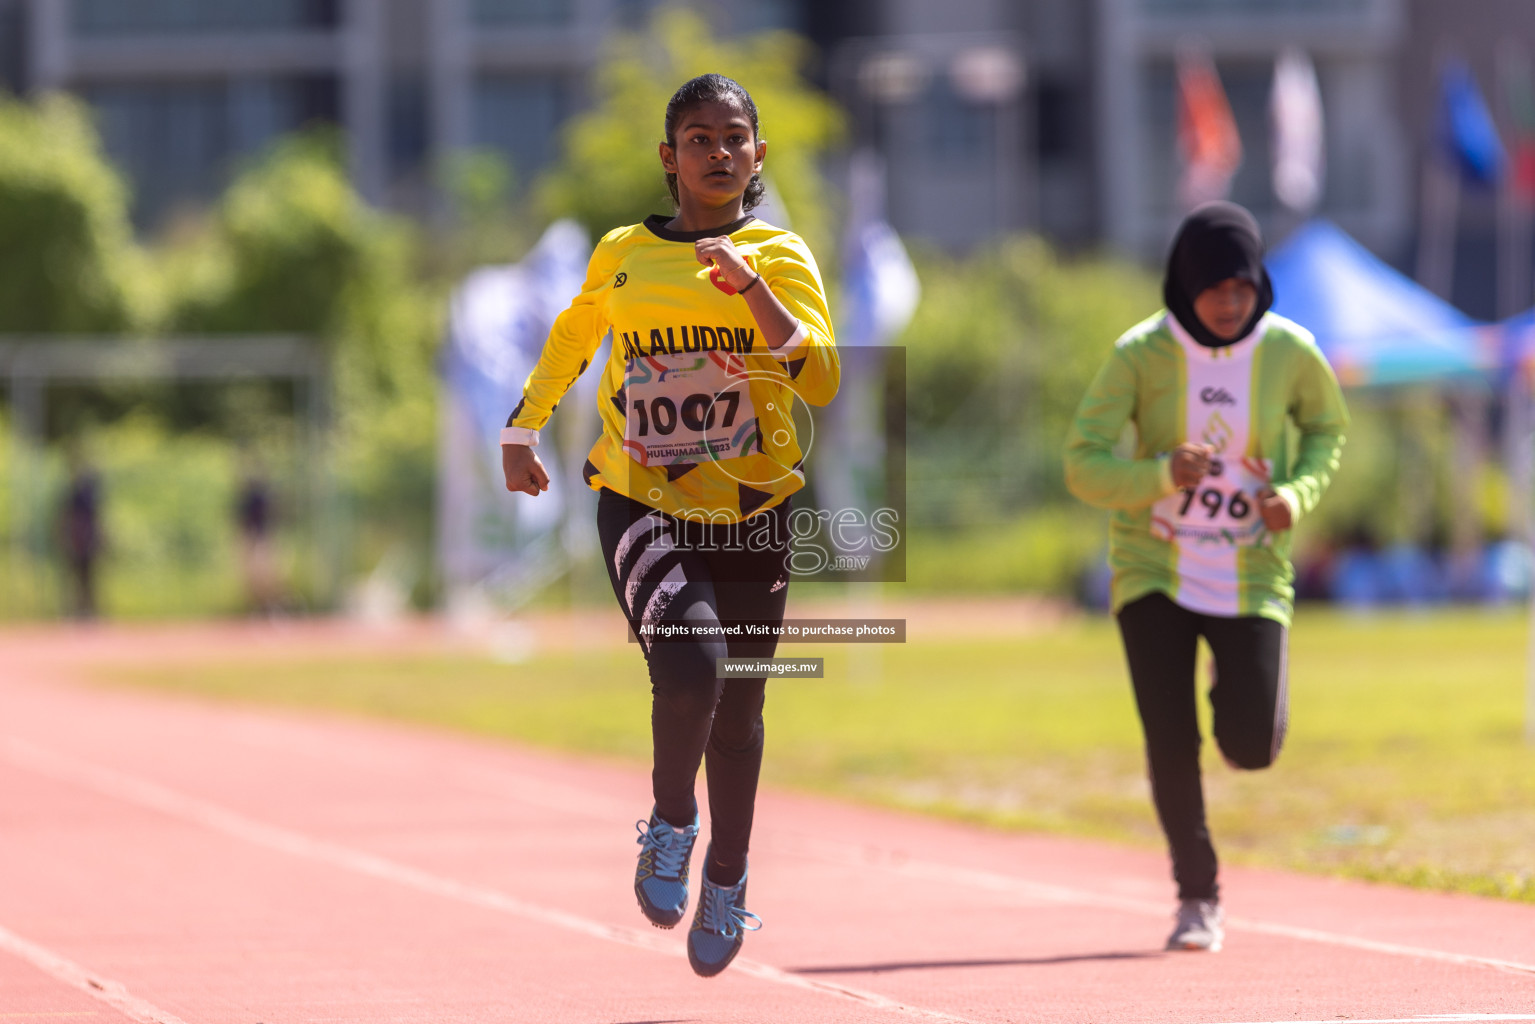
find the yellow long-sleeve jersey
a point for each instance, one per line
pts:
(697, 412)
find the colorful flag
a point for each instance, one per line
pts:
(1467, 135)
(1519, 93)
(880, 287)
(1295, 107)
(880, 292)
(498, 319)
(1207, 133)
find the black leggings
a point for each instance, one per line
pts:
(1251, 714)
(666, 570)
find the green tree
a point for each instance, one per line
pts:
(610, 174)
(488, 223)
(1000, 352)
(292, 248)
(68, 263)
(288, 245)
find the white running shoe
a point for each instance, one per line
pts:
(1201, 926)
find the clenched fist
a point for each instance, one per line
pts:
(524, 471)
(1190, 463)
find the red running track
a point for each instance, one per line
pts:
(177, 860)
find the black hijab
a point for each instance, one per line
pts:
(1218, 240)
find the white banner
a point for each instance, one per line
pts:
(491, 544)
(880, 292)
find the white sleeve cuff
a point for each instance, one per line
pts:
(519, 435)
(794, 344)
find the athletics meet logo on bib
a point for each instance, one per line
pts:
(1216, 396)
(1217, 433)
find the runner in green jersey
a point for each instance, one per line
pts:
(1238, 430)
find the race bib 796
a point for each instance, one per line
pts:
(1222, 511)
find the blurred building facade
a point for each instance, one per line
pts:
(184, 89)
(1355, 46)
(992, 115)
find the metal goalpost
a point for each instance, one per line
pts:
(31, 365)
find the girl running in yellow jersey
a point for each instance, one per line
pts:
(719, 324)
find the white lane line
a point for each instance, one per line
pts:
(852, 855)
(113, 993)
(1389, 948)
(574, 799)
(153, 796)
(1438, 1018)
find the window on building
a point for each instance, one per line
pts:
(1057, 120)
(522, 13)
(520, 116)
(633, 14)
(118, 17)
(409, 120)
(1158, 162)
(13, 46)
(1248, 7)
(957, 129)
(765, 15)
(178, 142)
(737, 18)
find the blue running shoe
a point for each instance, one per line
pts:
(719, 926)
(661, 878)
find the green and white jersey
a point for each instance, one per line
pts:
(1270, 407)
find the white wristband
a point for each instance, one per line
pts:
(519, 435)
(795, 342)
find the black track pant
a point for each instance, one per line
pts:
(666, 570)
(1248, 696)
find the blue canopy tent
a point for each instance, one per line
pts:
(1519, 344)
(1376, 326)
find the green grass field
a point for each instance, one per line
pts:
(1405, 760)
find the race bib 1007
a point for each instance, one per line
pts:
(687, 408)
(1221, 512)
